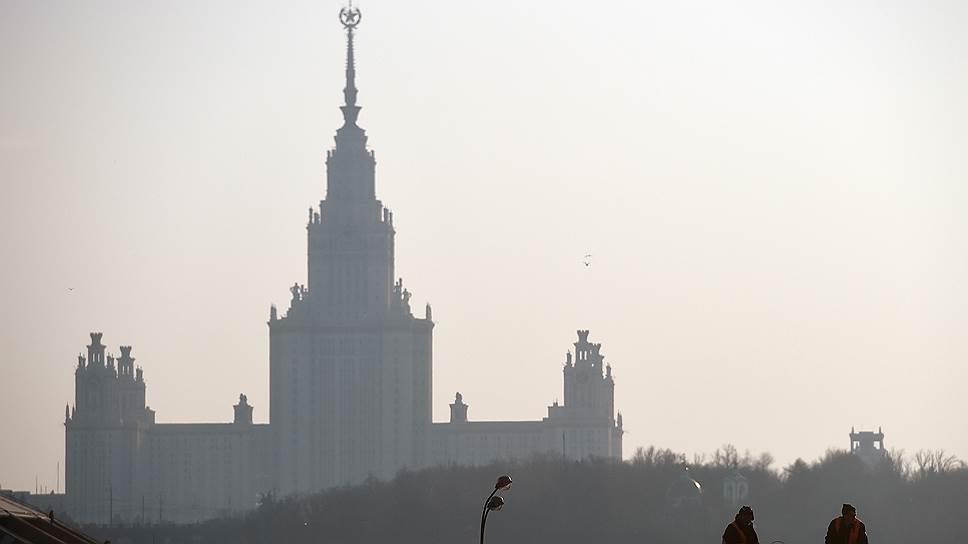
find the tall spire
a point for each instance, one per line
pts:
(350, 17)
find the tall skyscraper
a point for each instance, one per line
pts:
(350, 365)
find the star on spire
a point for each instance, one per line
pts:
(350, 18)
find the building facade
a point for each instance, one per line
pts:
(350, 370)
(121, 466)
(584, 425)
(868, 446)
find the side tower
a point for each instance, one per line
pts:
(105, 431)
(350, 366)
(588, 392)
(585, 424)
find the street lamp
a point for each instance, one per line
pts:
(494, 502)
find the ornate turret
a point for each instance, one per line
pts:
(243, 412)
(458, 410)
(108, 391)
(126, 363)
(587, 388)
(586, 353)
(95, 350)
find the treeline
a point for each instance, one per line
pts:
(923, 498)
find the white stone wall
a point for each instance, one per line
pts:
(349, 404)
(200, 471)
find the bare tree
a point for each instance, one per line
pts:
(936, 462)
(764, 462)
(653, 456)
(895, 462)
(727, 457)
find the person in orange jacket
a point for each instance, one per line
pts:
(846, 529)
(741, 531)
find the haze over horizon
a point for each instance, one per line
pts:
(773, 196)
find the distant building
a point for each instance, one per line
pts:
(350, 383)
(736, 488)
(122, 466)
(583, 426)
(868, 445)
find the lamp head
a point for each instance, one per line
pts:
(503, 483)
(495, 504)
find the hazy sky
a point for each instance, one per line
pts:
(775, 195)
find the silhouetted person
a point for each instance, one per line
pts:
(741, 531)
(846, 529)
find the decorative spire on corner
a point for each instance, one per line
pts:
(350, 17)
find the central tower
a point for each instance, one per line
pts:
(351, 235)
(350, 366)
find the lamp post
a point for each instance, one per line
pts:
(494, 502)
